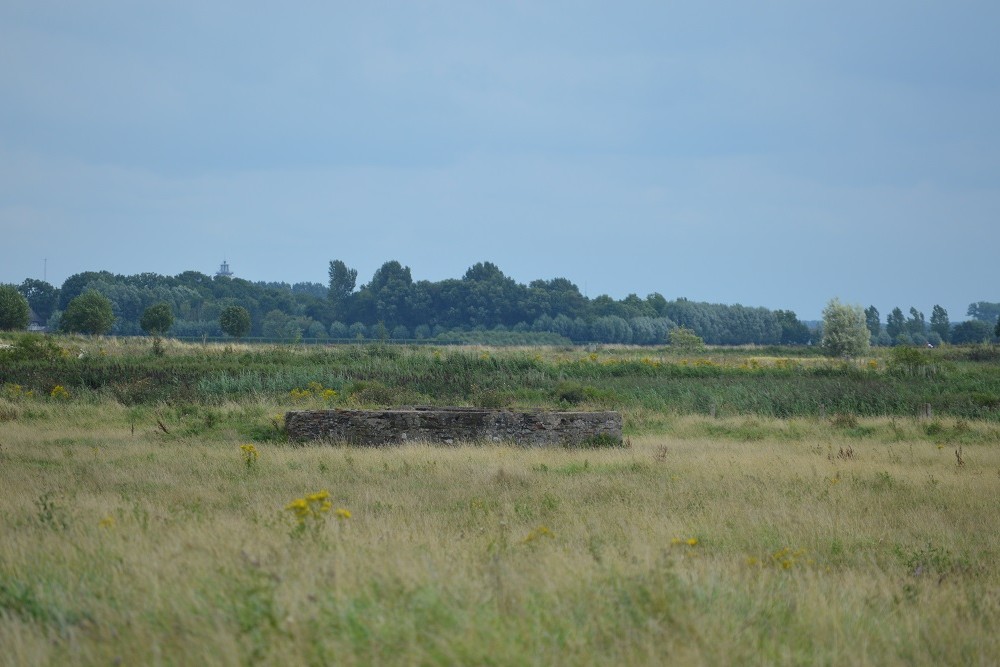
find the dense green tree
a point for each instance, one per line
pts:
(985, 311)
(77, 283)
(996, 332)
(560, 296)
(916, 324)
(275, 324)
(971, 331)
(315, 290)
(491, 298)
(939, 323)
(13, 309)
(845, 331)
(645, 330)
(685, 340)
(339, 331)
(895, 324)
(386, 298)
(358, 331)
(42, 297)
(127, 303)
(157, 319)
(484, 298)
(657, 303)
(793, 331)
(873, 322)
(89, 313)
(611, 329)
(343, 280)
(235, 321)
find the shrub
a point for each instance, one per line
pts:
(570, 392)
(32, 347)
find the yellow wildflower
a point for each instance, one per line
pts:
(249, 452)
(537, 533)
(298, 505)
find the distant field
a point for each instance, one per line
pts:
(161, 518)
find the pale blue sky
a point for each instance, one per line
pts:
(766, 153)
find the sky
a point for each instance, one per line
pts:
(770, 153)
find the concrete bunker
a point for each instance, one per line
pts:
(449, 426)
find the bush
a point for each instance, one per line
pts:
(907, 358)
(572, 393)
(31, 347)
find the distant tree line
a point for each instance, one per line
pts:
(914, 329)
(393, 306)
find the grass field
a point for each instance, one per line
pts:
(184, 533)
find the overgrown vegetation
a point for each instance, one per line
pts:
(772, 382)
(849, 530)
(163, 533)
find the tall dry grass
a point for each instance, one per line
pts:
(719, 542)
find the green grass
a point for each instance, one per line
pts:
(719, 541)
(742, 523)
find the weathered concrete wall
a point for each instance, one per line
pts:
(454, 425)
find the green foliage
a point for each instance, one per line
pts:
(963, 383)
(971, 331)
(13, 309)
(90, 313)
(484, 299)
(683, 339)
(601, 441)
(873, 322)
(157, 319)
(908, 359)
(235, 321)
(916, 325)
(793, 331)
(42, 297)
(940, 324)
(895, 324)
(984, 311)
(570, 393)
(31, 347)
(845, 330)
(342, 283)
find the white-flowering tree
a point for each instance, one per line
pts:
(845, 330)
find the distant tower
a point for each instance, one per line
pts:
(224, 270)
